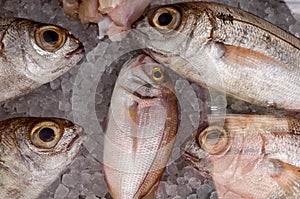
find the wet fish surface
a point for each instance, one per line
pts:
(32, 54)
(252, 156)
(33, 153)
(225, 48)
(141, 129)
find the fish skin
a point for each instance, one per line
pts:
(141, 129)
(259, 160)
(227, 49)
(27, 170)
(24, 64)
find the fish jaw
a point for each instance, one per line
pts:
(193, 154)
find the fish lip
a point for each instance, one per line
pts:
(78, 50)
(191, 156)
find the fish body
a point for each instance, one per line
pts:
(34, 152)
(252, 156)
(225, 48)
(32, 54)
(141, 129)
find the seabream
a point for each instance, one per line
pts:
(141, 128)
(225, 48)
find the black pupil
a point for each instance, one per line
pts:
(157, 74)
(50, 37)
(47, 134)
(165, 19)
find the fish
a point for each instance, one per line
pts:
(122, 14)
(225, 49)
(251, 156)
(140, 130)
(34, 152)
(114, 17)
(32, 54)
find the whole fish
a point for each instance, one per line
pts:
(141, 129)
(33, 153)
(32, 54)
(252, 156)
(225, 48)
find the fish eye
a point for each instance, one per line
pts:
(45, 135)
(213, 140)
(157, 74)
(50, 38)
(166, 18)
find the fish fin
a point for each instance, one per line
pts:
(286, 175)
(133, 111)
(152, 191)
(246, 57)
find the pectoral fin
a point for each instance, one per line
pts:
(287, 176)
(247, 57)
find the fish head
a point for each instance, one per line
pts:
(40, 148)
(41, 52)
(206, 149)
(167, 31)
(145, 77)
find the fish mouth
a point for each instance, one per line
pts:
(77, 51)
(192, 159)
(81, 134)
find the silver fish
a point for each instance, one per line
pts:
(141, 129)
(33, 152)
(225, 48)
(32, 54)
(252, 156)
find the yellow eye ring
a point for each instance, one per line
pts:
(50, 38)
(213, 140)
(166, 18)
(45, 135)
(157, 74)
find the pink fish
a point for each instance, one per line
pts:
(141, 129)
